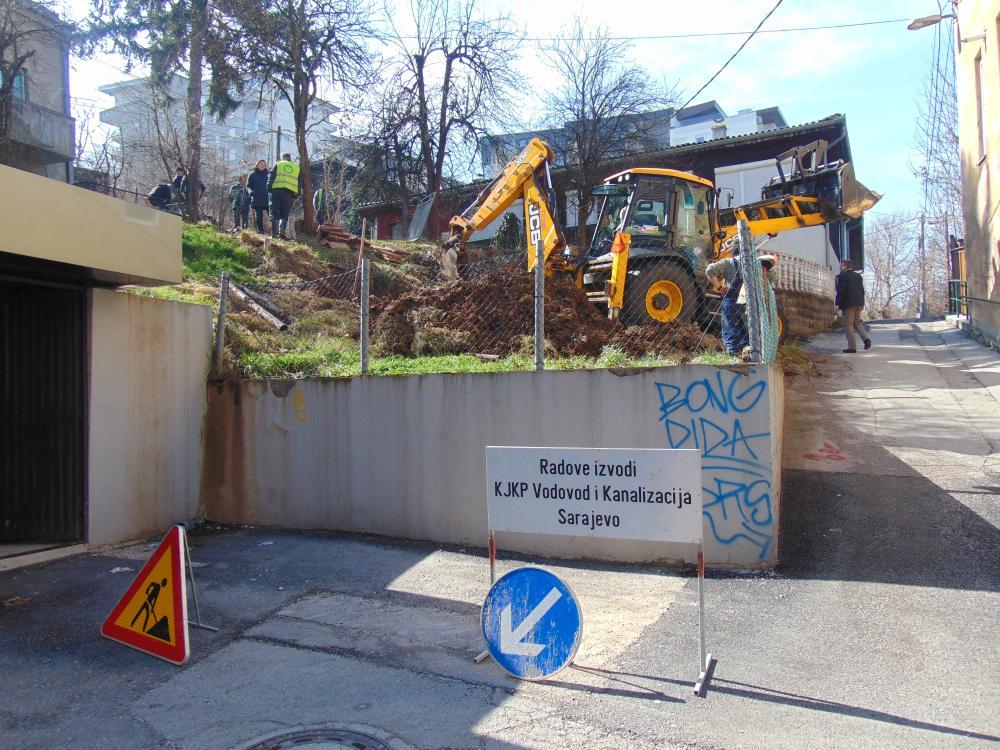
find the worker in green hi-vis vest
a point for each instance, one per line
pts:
(284, 184)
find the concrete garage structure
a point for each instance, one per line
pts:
(102, 394)
(405, 456)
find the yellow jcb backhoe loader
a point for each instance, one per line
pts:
(657, 229)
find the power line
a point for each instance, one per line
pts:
(701, 34)
(733, 56)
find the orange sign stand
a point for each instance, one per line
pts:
(152, 614)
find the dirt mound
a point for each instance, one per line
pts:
(494, 314)
(491, 314)
(662, 339)
(794, 360)
(286, 258)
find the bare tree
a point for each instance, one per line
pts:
(296, 45)
(891, 265)
(457, 77)
(603, 107)
(98, 150)
(391, 168)
(22, 31)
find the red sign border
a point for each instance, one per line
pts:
(176, 654)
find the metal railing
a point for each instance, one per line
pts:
(794, 274)
(126, 195)
(958, 297)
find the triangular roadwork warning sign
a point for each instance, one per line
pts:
(152, 615)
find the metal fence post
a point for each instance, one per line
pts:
(539, 310)
(751, 277)
(220, 325)
(364, 315)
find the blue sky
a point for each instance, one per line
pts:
(872, 74)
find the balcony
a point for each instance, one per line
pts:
(48, 134)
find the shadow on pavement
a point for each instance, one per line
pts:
(62, 680)
(886, 522)
(887, 529)
(756, 692)
(642, 691)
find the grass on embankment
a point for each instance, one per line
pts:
(323, 343)
(340, 359)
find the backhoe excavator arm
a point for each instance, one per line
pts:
(519, 179)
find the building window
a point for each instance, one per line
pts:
(20, 86)
(979, 106)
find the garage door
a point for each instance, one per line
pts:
(42, 407)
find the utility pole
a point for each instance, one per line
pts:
(923, 270)
(277, 147)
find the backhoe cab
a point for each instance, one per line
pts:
(654, 230)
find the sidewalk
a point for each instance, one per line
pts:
(878, 630)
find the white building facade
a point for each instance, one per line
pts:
(152, 134)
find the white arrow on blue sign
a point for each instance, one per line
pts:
(532, 623)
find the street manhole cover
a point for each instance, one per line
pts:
(325, 738)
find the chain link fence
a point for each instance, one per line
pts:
(392, 319)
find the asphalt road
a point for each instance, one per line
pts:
(877, 630)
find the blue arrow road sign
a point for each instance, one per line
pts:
(532, 623)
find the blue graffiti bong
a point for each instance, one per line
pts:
(709, 415)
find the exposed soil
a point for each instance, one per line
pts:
(663, 339)
(494, 314)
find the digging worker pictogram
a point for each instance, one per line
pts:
(148, 608)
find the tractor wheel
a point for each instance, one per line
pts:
(659, 294)
(782, 326)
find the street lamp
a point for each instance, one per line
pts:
(925, 21)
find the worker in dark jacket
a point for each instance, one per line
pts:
(850, 300)
(284, 184)
(159, 197)
(239, 201)
(257, 184)
(180, 185)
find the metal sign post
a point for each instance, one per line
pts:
(706, 664)
(491, 546)
(194, 592)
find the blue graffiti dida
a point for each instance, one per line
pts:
(708, 414)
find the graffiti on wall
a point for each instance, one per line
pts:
(715, 415)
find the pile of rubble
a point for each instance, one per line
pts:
(493, 314)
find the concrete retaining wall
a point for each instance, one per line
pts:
(149, 361)
(404, 456)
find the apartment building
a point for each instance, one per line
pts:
(41, 129)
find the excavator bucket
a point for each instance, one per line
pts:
(855, 198)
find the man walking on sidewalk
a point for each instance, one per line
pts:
(850, 300)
